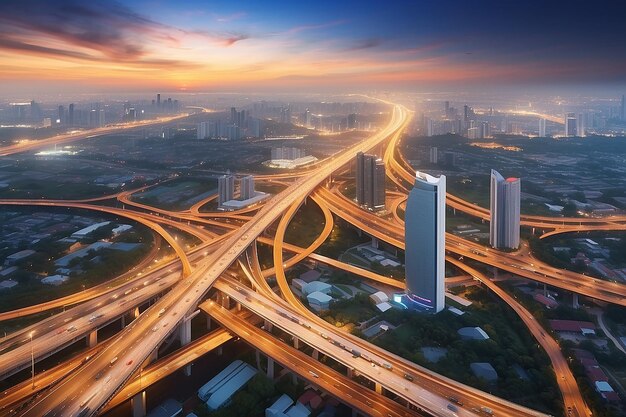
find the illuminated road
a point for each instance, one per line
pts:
(76, 136)
(134, 344)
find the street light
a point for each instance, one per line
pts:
(32, 359)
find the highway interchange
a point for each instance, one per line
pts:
(91, 385)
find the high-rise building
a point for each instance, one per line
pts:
(225, 189)
(352, 121)
(570, 124)
(307, 118)
(505, 211)
(61, 115)
(581, 126)
(542, 128)
(158, 102)
(425, 229)
(370, 181)
(433, 155)
(246, 187)
(203, 130)
(623, 108)
(485, 130)
(70, 115)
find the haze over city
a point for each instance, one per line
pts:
(291, 209)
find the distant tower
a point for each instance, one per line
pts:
(370, 181)
(225, 189)
(158, 101)
(246, 187)
(542, 128)
(307, 118)
(581, 126)
(433, 155)
(570, 124)
(70, 118)
(425, 229)
(623, 108)
(505, 211)
(61, 115)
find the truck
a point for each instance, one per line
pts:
(486, 410)
(161, 312)
(355, 353)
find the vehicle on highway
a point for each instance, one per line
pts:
(408, 377)
(313, 374)
(387, 365)
(452, 407)
(71, 329)
(130, 362)
(486, 410)
(113, 361)
(455, 400)
(161, 312)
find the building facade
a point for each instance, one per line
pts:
(505, 211)
(370, 181)
(425, 242)
(225, 189)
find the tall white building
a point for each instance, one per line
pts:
(542, 128)
(425, 229)
(581, 126)
(433, 155)
(505, 211)
(246, 187)
(225, 189)
(203, 130)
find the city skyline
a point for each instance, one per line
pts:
(107, 46)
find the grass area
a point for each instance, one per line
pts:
(342, 238)
(306, 225)
(178, 194)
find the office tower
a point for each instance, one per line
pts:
(581, 126)
(430, 126)
(61, 115)
(70, 116)
(370, 181)
(570, 124)
(446, 107)
(203, 130)
(159, 101)
(542, 128)
(246, 187)
(254, 127)
(225, 189)
(101, 121)
(433, 155)
(505, 211)
(352, 121)
(485, 130)
(623, 108)
(425, 229)
(285, 115)
(307, 118)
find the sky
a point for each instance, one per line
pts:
(263, 45)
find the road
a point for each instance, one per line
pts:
(135, 343)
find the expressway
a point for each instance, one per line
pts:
(30, 145)
(384, 230)
(564, 377)
(428, 390)
(339, 386)
(82, 393)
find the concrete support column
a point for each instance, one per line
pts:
(154, 355)
(136, 312)
(374, 242)
(238, 306)
(575, 301)
(138, 403)
(92, 338)
(185, 338)
(545, 290)
(296, 343)
(268, 325)
(270, 367)
(316, 354)
(258, 360)
(350, 373)
(226, 302)
(208, 322)
(294, 378)
(123, 321)
(220, 350)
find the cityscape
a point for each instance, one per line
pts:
(279, 209)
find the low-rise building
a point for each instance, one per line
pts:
(319, 301)
(472, 333)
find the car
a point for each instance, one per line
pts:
(368, 402)
(408, 377)
(452, 408)
(313, 374)
(130, 362)
(99, 375)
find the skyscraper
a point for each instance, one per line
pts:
(505, 211)
(61, 115)
(570, 124)
(246, 187)
(581, 126)
(70, 116)
(370, 181)
(623, 108)
(425, 229)
(158, 101)
(203, 131)
(542, 128)
(225, 189)
(433, 155)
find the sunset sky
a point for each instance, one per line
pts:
(72, 45)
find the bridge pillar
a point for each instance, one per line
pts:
(123, 320)
(378, 387)
(374, 242)
(296, 343)
(138, 403)
(315, 354)
(350, 373)
(270, 367)
(545, 290)
(135, 312)
(268, 326)
(208, 322)
(185, 338)
(575, 301)
(226, 301)
(238, 306)
(92, 338)
(220, 350)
